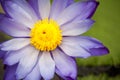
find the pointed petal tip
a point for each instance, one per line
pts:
(96, 6)
(62, 60)
(99, 51)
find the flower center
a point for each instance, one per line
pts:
(45, 35)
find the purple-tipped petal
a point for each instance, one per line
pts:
(58, 6)
(34, 74)
(20, 11)
(2, 3)
(44, 8)
(27, 63)
(76, 28)
(12, 28)
(14, 44)
(10, 72)
(94, 46)
(34, 5)
(88, 44)
(47, 66)
(99, 51)
(65, 65)
(13, 57)
(73, 11)
(88, 10)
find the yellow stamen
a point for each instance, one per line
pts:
(45, 35)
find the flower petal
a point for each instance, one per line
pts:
(76, 28)
(27, 63)
(14, 44)
(58, 6)
(94, 46)
(13, 57)
(2, 53)
(12, 28)
(44, 8)
(73, 11)
(47, 66)
(20, 11)
(10, 72)
(73, 48)
(88, 10)
(34, 4)
(2, 16)
(83, 47)
(65, 65)
(34, 74)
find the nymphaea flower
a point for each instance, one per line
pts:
(46, 38)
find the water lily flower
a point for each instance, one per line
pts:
(46, 38)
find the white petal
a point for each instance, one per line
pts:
(27, 63)
(13, 57)
(76, 28)
(70, 13)
(58, 6)
(47, 66)
(73, 48)
(34, 74)
(21, 12)
(15, 44)
(44, 8)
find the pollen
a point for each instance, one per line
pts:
(46, 35)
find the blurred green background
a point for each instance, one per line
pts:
(107, 30)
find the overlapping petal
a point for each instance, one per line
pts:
(76, 28)
(88, 10)
(13, 57)
(94, 46)
(27, 63)
(20, 11)
(44, 8)
(15, 44)
(73, 49)
(10, 72)
(13, 28)
(75, 10)
(47, 66)
(34, 5)
(83, 47)
(34, 74)
(65, 65)
(58, 6)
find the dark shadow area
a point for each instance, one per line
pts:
(111, 71)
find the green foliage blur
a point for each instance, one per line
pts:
(99, 77)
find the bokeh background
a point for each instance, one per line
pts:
(107, 30)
